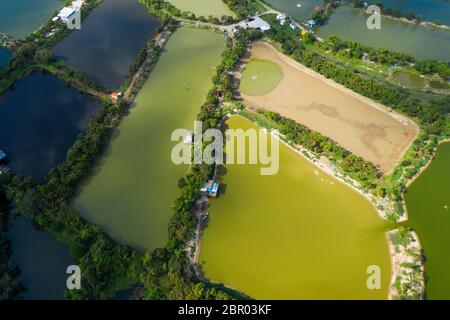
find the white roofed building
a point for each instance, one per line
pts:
(258, 23)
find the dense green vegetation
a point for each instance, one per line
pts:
(164, 9)
(10, 287)
(431, 115)
(408, 282)
(106, 266)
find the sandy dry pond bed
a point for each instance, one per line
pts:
(358, 124)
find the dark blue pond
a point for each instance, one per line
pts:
(5, 55)
(109, 40)
(40, 118)
(42, 259)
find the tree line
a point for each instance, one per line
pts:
(430, 111)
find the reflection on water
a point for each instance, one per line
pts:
(21, 17)
(109, 40)
(40, 118)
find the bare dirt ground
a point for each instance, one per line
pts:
(362, 126)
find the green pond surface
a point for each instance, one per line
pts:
(299, 9)
(42, 260)
(418, 41)
(409, 80)
(18, 18)
(206, 8)
(428, 204)
(260, 77)
(130, 196)
(299, 234)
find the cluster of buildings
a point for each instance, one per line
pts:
(68, 13)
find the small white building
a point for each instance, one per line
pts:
(258, 23)
(67, 14)
(77, 4)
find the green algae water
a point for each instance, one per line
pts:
(299, 234)
(260, 77)
(428, 204)
(21, 17)
(350, 24)
(206, 8)
(5, 55)
(130, 196)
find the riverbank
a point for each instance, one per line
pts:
(410, 181)
(417, 175)
(407, 279)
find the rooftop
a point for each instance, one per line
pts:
(258, 23)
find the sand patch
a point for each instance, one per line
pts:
(357, 123)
